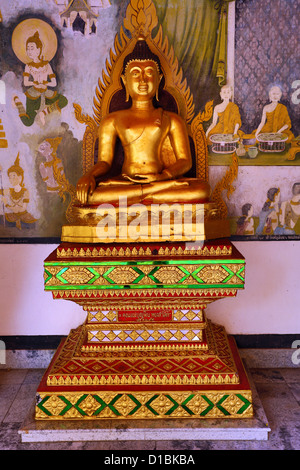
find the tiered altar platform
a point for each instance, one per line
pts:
(146, 349)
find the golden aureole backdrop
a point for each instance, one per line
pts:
(52, 57)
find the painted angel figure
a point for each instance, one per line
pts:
(40, 81)
(51, 169)
(15, 199)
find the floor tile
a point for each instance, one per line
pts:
(22, 401)
(12, 376)
(291, 375)
(34, 376)
(279, 403)
(8, 393)
(295, 389)
(267, 376)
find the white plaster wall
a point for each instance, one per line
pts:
(26, 309)
(269, 304)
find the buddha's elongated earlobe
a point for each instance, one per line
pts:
(157, 90)
(127, 93)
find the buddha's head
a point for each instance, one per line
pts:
(34, 47)
(141, 73)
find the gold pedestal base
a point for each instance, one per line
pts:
(184, 382)
(146, 349)
(152, 223)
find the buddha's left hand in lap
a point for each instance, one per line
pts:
(144, 179)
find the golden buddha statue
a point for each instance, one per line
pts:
(152, 171)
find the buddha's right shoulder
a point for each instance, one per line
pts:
(107, 121)
(112, 118)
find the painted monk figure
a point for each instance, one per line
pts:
(143, 131)
(275, 116)
(226, 116)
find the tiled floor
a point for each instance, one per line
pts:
(278, 389)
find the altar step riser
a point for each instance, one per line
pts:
(144, 405)
(145, 314)
(169, 332)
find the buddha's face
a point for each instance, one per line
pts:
(142, 79)
(33, 51)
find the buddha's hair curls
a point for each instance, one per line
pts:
(141, 52)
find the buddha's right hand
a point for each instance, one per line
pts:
(85, 186)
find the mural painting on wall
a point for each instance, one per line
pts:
(40, 139)
(53, 53)
(258, 120)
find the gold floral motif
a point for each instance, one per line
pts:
(89, 405)
(55, 404)
(213, 274)
(77, 275)
(50, 276)
(169, 275)
(123, 275)
(149, 295)
(162, 379)
(99, 252)
(125, 405)
(144, 405)
(107, 350)
(143, 275)
(162, 404)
